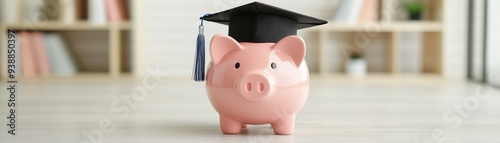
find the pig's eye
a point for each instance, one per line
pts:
(237, 65)
(273, 65)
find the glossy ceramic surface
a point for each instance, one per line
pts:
(257, 83)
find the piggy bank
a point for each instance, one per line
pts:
(257, 83)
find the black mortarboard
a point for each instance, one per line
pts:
(254, 22)
(261, 23)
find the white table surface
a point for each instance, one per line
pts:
(339, 109)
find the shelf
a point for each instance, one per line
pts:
(75, 26)
(380, 75)
(113, 41)
(425, 26)
(377, 78)
(431, 48)
(77, 75)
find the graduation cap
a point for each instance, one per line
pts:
(254, 22)
(261, 23)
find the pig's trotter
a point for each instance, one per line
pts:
(284, 126)
(230, 126)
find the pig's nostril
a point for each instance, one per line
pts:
(249, 87)
(261, 87)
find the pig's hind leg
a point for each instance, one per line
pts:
(284, 125)
(230, 126)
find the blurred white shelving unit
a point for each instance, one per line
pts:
(124, 56)
(431, 27)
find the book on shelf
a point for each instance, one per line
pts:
(116, 10)
(68, 7)
(124, 8)
(27, 56)
(82, 10)
(97, 12)
(59, 55)
(40, 54)
(342, 11)
(369, 11)
(45, 54)
(100, 11)
(356, 11)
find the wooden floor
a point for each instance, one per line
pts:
(339, 109)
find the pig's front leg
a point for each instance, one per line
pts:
(230, 126)
(284, 126)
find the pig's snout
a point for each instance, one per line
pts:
(255, 86)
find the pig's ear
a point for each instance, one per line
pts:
(222, 45)
(294, 46)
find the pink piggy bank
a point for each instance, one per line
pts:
(257, 83)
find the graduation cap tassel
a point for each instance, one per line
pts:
(199, 61)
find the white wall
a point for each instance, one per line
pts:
(493, 44)
(172, 27)
(455, 40)
(477, 66)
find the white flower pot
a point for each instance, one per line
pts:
(356, 67)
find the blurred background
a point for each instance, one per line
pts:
(390, 37)
(448, 39)
(379, 67)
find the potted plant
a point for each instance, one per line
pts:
(415, 9)
(356, 65)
